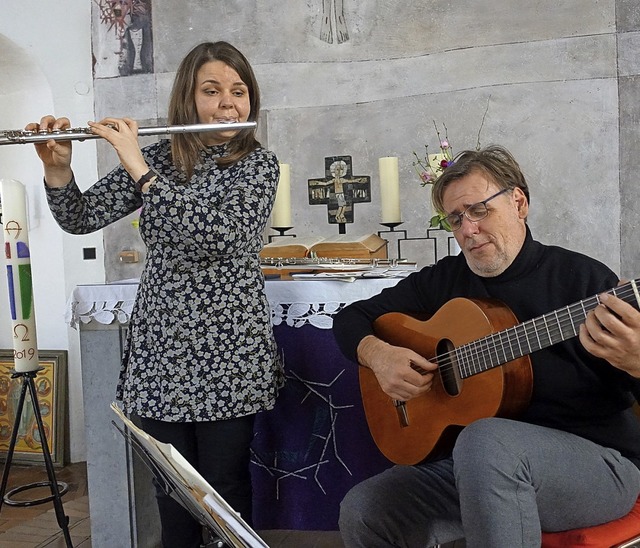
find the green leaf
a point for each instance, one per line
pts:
(435, 221)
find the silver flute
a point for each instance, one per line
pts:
(23, 136)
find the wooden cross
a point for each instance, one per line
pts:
(339, 190)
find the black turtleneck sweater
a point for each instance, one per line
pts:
(572, 390)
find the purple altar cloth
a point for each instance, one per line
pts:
(315, 444)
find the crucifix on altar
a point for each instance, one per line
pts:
(339, 190)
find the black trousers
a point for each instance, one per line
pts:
(219, 451)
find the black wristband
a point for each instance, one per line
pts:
(145, 179)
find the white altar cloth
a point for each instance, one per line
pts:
(294, 302)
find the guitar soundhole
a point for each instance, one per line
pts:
(448, 367)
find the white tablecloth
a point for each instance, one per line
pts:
(294, 302)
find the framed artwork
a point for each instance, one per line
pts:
(51, 385)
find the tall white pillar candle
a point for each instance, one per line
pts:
(18, 266)
(281, 214)
(389, 189)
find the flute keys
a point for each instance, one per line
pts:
(14, 135)
(56, 131)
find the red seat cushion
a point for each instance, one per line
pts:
(601, 536)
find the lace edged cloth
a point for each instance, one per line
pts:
(293, 303)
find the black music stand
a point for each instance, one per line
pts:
(57, 488)
(187, 487)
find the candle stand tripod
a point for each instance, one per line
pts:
(57, 488)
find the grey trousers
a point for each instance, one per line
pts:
(506, 482)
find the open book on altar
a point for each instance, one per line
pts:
(367, 246)
(190, 488)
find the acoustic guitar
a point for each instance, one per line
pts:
(487, 339)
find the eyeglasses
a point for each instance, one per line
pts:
(475, 213)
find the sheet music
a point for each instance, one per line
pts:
(202, 499)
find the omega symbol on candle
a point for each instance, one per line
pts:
(21, 332)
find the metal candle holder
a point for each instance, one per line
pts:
(435, 235)
(281, 232)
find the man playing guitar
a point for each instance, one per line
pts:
(565, 453)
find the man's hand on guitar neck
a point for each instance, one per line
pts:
(612, 331)
(402, 373)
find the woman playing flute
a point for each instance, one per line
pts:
(200, 359)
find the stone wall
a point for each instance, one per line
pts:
(558, 82)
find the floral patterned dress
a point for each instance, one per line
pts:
(200, 344)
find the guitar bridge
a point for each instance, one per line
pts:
(401, 409)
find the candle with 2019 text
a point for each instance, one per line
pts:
(17, 255)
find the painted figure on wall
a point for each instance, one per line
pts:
(333, 10)
(130, 20)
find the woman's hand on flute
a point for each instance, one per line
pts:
(54, 154)
(122, 134)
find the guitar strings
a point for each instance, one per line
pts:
(479, 353)
(522, 339)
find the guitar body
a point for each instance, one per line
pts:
(435, 418)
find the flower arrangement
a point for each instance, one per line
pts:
(431, 166)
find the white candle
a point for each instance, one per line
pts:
(281, 214)
(18, 266)
(389, 189)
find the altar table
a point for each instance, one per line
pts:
(307, 452)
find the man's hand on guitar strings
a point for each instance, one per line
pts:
(402, 373)
(612, 331)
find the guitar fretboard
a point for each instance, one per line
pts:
(532, 335)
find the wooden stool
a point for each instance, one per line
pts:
(620, 533)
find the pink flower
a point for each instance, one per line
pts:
(444, 145)
(426, 177)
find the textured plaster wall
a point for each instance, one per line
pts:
(558, 81)
(628, 22)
